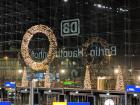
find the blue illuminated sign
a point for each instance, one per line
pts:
(5, 103)
(133, 88)
(10, 84)
(78, 103)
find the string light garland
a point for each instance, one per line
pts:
(89, 42)
(43, 65)
(87, 80)
(120, 85)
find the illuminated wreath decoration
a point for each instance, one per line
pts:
(90, 41)
(43, 65)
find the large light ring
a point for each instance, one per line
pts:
(90, 41)
(43, 65)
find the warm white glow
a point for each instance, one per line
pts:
(63, 71)
(116, 71)
(19, 71)
(43, 65)
(130, 70)
(139, 78)
(67, 59)
(74, 63)
(5, 57)
(35, 80)
(101, 77)
(49, 91)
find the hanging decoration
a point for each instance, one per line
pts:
(52, 47)
(87, 80)
(120, 81)
(89, 42)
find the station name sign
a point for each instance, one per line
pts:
(133, 88)
(75, 53)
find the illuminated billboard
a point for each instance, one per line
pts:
(5, 103)
(59, 103)
(78, 103)
(71, 103)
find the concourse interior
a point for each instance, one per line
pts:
(69, 52)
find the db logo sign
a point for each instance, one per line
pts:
(70, 27)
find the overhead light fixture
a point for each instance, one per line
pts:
(102, 77)
(67, 59)
(62, 63)
(116, 71)
(99, 5)
(65, 0)
(76, 92)
(5, 58)
(135, 95)
(20, 71)
(139, 78)
(49, 91)
(130, 70)
(74, 63)
(107, 93)
(63, 71)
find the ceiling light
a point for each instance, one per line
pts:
(99, 5)
(62, 71)
(103, 7)
(107, 93)
(20, 71)
(110, 8)
(74, 63)
(76, 92)
(65, 0)
(5, 58)
(135, 95)
(49, 91)
(116, 71)
(138, 77)
(130, 70)
(62, 63)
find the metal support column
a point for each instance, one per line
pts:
(31, 93)
(125, 98)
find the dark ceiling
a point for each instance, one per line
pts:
(118, 21)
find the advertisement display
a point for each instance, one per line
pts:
(10, 84)
(71, 103)
(59, 103)
(133, 88)
(78, 103)
(5, 103)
